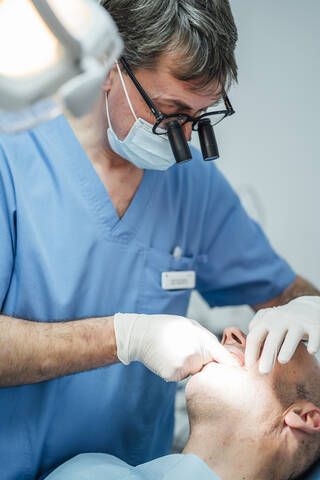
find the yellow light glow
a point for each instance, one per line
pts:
(75, 15)
(27, 46)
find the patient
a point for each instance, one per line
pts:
(243, 425)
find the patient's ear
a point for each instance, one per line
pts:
(304, 416)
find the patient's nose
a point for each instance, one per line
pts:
(233, 336)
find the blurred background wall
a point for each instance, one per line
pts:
(270, 148)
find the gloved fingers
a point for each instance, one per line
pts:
(258, 317)
(220, 354)
(314, 341)
(270, 350)
(208, 350)
(290, 344)
(254, 342)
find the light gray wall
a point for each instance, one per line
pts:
(273, 141)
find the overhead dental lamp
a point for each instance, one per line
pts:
(60, 48)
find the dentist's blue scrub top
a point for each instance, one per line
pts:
(64, 254)
(97, 466)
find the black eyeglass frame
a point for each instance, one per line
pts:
(160, 117)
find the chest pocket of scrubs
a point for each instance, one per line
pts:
(153, 298)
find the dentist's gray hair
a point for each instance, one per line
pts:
(200, 33)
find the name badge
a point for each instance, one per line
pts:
(178, 280)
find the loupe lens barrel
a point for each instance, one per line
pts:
(208, 140)
(178, 142)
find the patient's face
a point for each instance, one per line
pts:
(238, 396)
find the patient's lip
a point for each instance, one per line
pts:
(239, 354)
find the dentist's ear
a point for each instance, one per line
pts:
(107, 84)
(304, 416)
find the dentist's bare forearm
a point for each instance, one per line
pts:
(32, 352)
(298, 288)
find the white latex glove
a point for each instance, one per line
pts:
(170, 346)
(282, 328)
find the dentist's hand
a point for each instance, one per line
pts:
(282, 328)
(170, 346)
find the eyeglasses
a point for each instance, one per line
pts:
(162, 120)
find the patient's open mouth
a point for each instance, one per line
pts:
(236, 352)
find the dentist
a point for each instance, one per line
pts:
(94, 222)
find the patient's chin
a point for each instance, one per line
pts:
(193, 386)
(217, 381)
(201, 382)
(209, 398)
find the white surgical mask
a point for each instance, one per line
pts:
(141, 146)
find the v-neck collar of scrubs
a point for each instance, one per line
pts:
(97, 195)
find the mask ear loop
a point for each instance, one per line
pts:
(127, 97)
(108, 114)
(126, 92)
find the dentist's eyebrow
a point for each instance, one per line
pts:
(183, 106)
(176, 103)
